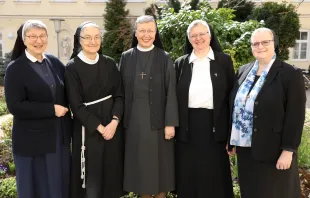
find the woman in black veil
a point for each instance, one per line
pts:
(205, 76)
(35, 96)
(150, 113)
(95, 94)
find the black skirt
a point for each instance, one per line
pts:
(202, 164)
(263, 180)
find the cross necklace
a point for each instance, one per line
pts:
(142, 74)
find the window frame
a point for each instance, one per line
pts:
(299, 49)
(1, 42)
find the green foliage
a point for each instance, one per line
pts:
(154, 10)
(6, 127)
(175, 4)
(3, 107)
(6, 157)
(304, 147)
(118, 30)
(132, 195)
(194, 4)
(234, 36)
(243, 8)
(283, 20)
(8, 188)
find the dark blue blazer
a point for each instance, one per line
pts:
(31, 102)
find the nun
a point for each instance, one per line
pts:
(150, 114)
(205, 76)
(268, 113)
(96, 98)
(41, 134)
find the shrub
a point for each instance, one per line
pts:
(304, 148)
(8, 188)
(3, 108)
(6, 127)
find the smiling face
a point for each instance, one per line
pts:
(199, 37)
(145, 34)
(262, 45)
(35, 40)
(90, 40)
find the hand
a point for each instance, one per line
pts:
(285, 160)
(100, 129)
(232, 152)
(169, 132)
(109, 130)
(60, 110)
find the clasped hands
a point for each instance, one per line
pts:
(108, 131)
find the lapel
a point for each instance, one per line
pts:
(36, 76)
(58, 81)
(216, 77)
(240, 80)
(270, 76)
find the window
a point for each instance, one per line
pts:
(62, 1)
(1, 45)
(301, 47)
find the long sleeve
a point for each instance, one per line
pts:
(118, 94)
(88, 120)
(171, 115)
(16, 98)
(294, 112)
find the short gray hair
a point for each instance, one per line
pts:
(144, 19)
(195, 23)
(89, 24)
(32, 24)
(264, 29)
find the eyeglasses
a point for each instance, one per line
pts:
(201, 34)
(145, 31)
(264, 43)
(89, 38)
(35, 37)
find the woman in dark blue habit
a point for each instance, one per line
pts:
(35, 95)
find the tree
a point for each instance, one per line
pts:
(243, 8)
(234, 36)
(154, 10)
(175, 4)
(118, 29)
(194, 4)
(283, 20)
(3, 65)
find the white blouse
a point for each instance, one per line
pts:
(201, 89)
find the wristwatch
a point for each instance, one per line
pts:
(114, 118)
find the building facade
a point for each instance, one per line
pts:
(73, 12)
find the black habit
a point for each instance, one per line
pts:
(202, 163)
(279, 113)
(104, 158)
(150, 105)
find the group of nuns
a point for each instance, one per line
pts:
(148, 125)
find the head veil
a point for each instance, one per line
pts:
(214, 43)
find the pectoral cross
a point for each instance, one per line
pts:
(142, 75)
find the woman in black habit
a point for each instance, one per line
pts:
(41, 134)
(150, 113)
(205, 76)
(96, 99)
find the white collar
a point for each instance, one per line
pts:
(32, 58)
(193, 56)
(87, 60)
(144, 49)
